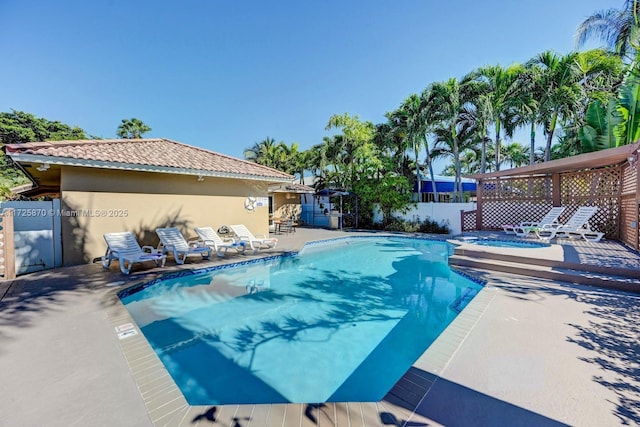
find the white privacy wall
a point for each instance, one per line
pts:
(439, 212)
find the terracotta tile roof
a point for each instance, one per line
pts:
(156, 152)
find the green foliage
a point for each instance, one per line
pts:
(602, 120)
(278, 155)
(616, 123)
(629, 105)
(392, 192)
(18, 127)
(433, 227)
(132, 129)
(416, 226)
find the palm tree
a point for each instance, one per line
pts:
(290, 159)
(560, 91)
(601, 74)
(498, 85)
(525, 103)
(265, 152)
(428, 109)
(352, 145)
(391, 145)
(453, 134)
(469, 163)
(618, 28)
(481, 117)
(132, 129)
(516, 155)
(409, 122)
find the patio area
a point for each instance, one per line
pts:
(525, 351)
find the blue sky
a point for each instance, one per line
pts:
(224, 75)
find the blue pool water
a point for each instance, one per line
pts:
(337, 322)
(509, 243)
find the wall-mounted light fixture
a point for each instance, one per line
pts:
(200, 178)
(43, 167)
(632, 159)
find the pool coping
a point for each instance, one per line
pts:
(166, 405)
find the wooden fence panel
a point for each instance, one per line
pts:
(7, 246)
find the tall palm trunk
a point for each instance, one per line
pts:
(549, 133)
(430, 165)
(532, 157)
(456, 157)
(498, 143)
(416, 147)
(483, 155)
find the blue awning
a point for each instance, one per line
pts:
(444, 187)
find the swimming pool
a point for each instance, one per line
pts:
(341, 321)
(509, 243)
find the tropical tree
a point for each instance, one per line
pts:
(428, 115)
(481, 117)
(18, 127)
(351, 146)
(560, 92)
(411, 122)
(617, 28)
(132, 129)
(516, 155)
(616, 122)
(600, 74)
(407, 124)
(469, 163)
(498, 86)
(265, 152)
(601, 121)
(453, 133)
(291, 160)
(525, 103)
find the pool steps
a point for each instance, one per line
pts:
(625, 279)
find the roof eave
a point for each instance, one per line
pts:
(592, 160)
(66, 161)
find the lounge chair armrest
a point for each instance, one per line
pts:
(195, 243)
(550, 226)
(529, 224)
(149, 249)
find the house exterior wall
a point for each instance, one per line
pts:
(98, 201)
(286, 205)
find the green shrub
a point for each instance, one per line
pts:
(426, 226)
(430, 226)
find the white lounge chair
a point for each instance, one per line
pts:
(210, 238)
(255, 242)
(576, 226)
(525, 227)
(124, 247)
(172, 240)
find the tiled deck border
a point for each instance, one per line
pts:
(167, 406)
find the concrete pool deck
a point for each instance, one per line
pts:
(525, 351)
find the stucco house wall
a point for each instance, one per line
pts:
(138, 185)
(114, 200)
(287, 205)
